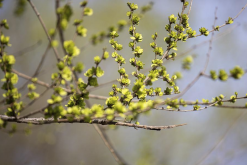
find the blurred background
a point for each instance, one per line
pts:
(79, 143)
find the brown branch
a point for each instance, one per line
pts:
(33, 112)
(33, 101)
(30, 78)
(27, 49)
(210, 44)
(221, 139)
(60, 30)
(38, 81)
(107, 142)
(43, 25)
(190, 8)
(42, 121)
(37, 69)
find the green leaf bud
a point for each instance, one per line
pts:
(187, 61)
(229, 21)
(172, 19)
(88, 11)
(237, 72)
(154, 36)
(31, 87)
(138, 51)
(158, 51)
(153, 45)
(196, 107)
(79, 67)
(217, 28)
(54, 43)
(92, 81)
(223, 76)
(97, 60)
(114, 34)
(4, 24)
(213, 75)
(77, 22)
(106, 55)
(81, 31)
(60, 65)
(52, 32)
(83, 4)
(132, 6)
(204, 31)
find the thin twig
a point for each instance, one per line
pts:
(225, 23)
(37, 69)
(43, 25)
(33, 112)
(190, 110)
(33, 101)
(60, 30)
(30, 78)
(210, 44)
(107, 142)
(38, 81)
(190, 8)
(27, 49)
(221, 139)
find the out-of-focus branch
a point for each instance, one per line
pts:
(221, 139)
(27, 49)
(107, 142)
(37, 69)
(43, 25)
(30, 78)
(190, 7)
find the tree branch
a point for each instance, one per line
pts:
(42, 121)
(43, 25)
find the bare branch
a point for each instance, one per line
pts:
(30, 78)
(27, 49)
(37, 69)
(190, 7)
(43, 25)
(41, 121)
(221, 139)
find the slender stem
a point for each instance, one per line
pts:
(45, 29)
(60, 30)
(107, 142)
(221, 139)
(225, 23)
(27, 49)
(190, 8)
(38, 68)
(30, 78)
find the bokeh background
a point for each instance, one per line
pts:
(80, 144)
